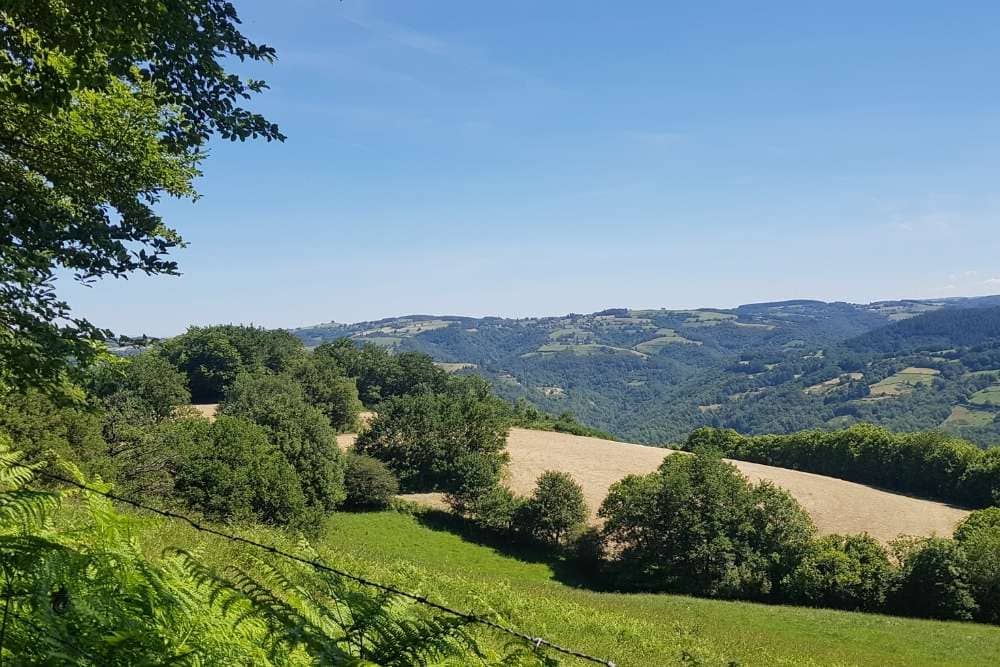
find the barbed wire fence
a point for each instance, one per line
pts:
(535, 641)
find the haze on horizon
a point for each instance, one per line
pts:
(520, 159)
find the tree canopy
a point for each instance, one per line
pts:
(105, 108)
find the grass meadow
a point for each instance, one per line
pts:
(433, 554)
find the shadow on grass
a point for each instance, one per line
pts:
(565, 569)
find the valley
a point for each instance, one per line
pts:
(652, 376)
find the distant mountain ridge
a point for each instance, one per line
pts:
(652, 375)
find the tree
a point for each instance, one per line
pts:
(300, 431)
(434, 442)
(45, 427)
(381, 375)
(369, 482)
(979, 536)
(933, 580)
(229, 470)
(842, 571)
(697, 526)
(328, 389)
(148, 376)
(209, 360)
(556, 508)
(104, 109)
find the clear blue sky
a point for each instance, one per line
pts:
(535, 158)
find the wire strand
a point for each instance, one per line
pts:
(536, 642)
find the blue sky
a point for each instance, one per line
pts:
(537, 158)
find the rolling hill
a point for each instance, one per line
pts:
(835, 505)
(653, 375)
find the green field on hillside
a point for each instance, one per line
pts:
(642, 630)
(584, 349)
(988, 396)
(425, 553)
(963, 416)
(664, 337)
(904, 381)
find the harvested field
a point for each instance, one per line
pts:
(206, 410)
(836, 506)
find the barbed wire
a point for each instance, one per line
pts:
(536, 642)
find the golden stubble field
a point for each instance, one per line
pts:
(835, 505)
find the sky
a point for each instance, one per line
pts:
(525, 158)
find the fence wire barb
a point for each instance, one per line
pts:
(537, 642)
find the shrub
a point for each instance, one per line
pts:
(842, 571)
(987, 519)
(556, 508)
(437, 442)
(494, 508)
(933, 580)
(697, 526)
(229, 470)
(301, 432)
(368, 482)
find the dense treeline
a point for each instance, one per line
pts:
(930, 464)
(933, 331)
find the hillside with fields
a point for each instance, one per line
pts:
(652, 376)
(185, 480)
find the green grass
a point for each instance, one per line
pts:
(904, 381)
(664, 338)
(988, 396)
(428, 555)
(963, 416)
(646, 629)
(583, 350)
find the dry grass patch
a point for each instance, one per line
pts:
(835, 505)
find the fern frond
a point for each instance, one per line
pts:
(26, 507)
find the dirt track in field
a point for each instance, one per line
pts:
(836, 506)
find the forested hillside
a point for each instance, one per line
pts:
(655, 375)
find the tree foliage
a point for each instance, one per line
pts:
(301, 432)
(368, 482)
(842, 571)
(381, 375)
(932, 464)
(697, 526)
(933, 580)
(87, 594)
(556, 508)
(438, 441)
(104, 109)
(229, 470)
